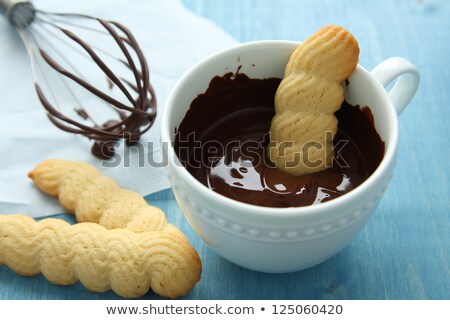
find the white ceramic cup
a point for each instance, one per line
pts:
(284, 239)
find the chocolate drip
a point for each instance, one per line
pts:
(223, 137)
(135, 117)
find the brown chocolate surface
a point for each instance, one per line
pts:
(223, 137)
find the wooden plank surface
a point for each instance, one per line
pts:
(404, 250)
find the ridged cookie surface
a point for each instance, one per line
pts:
(127, 262)
(92, 197)
(120, 243)
(304, 126)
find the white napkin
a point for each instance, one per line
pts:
(172, 38)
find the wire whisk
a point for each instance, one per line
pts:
(85, 69)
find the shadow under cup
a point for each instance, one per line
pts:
(275, 239)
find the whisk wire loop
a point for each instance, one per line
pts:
(48, 36)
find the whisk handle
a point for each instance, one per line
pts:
(19, 12)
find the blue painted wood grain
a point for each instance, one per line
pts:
(404, 250)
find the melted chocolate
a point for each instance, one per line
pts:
(140, 111)
(223, 137)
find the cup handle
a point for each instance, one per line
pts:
(405, 86)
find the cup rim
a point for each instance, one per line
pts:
(269, 212)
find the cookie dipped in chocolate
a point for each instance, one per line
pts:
(223, 137)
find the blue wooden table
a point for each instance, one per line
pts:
(404, 250)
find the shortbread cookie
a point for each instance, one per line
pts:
(127, 262)
(94, 198)
(83, 190)
(304, 126)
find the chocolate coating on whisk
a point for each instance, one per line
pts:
(105, 149)
(135, 118)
